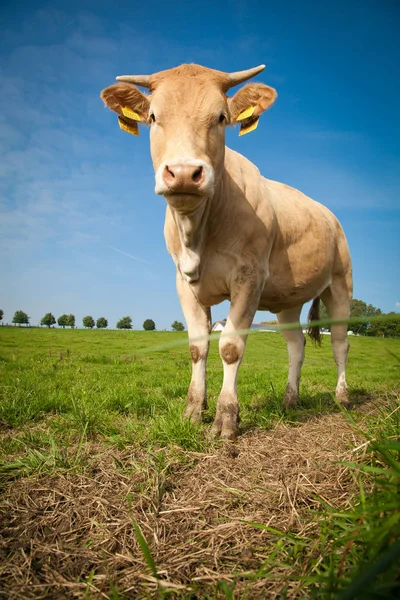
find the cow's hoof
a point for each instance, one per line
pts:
(289, 403)
(216, 429)
(194, 414)
(343, 397)
(229, 435)
(290, 399)
(225, 431)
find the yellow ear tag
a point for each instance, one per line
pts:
(131, 114)
(245, 114)
(244, 128)
(133, 129)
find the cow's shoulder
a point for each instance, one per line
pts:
(290, 204)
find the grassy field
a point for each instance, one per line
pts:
(106, 492)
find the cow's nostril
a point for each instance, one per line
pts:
(197, 175)
(183, 177)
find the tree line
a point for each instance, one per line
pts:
(388, 327)
(49, 320)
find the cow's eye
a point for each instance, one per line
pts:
(222, 118)
(152, 117)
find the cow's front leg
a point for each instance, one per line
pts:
(198, 320)
(232, 345)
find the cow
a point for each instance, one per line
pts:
(233, 234)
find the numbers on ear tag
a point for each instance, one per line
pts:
(131, 114)
(129, 128)
(248, 127)
(245, 114)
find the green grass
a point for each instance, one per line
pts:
(62, 390)
(94, 380)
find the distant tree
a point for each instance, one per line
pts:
(20, 318)
(48, 320)
(388, 327)
(1, 314)
(178, 326)
(70, 321)
(391, 327)
(358, 308)
(125, 323)
(62, 321)
(271, 322)
(149, 325)
(101, 323)
(88, 322)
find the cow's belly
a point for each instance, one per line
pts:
(288, 288)
(301, 271)
(277, 294)
(275, 298)
(284, 287)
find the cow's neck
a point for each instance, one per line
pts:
(192, 231)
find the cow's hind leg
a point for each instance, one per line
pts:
(198, 319)
(295, 342)
(337, 300)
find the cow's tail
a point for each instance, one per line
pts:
(313, 315)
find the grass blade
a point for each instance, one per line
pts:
(145, 549)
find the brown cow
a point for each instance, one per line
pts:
(232, 233)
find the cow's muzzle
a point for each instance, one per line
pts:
(185, 178)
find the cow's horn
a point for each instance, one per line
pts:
(142, 80)
(241, 76)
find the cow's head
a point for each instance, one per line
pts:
(187, 111)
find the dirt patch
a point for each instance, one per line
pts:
(4, 427)
(59, 531)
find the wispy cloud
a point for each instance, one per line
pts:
(141, 260)
(63, 180)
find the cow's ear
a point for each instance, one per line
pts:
(249, 103)
(127, 101)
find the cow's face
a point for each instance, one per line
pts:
(187, 112)
(187, 138)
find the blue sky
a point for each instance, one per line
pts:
(81, 229)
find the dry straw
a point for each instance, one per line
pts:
(71, 535)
